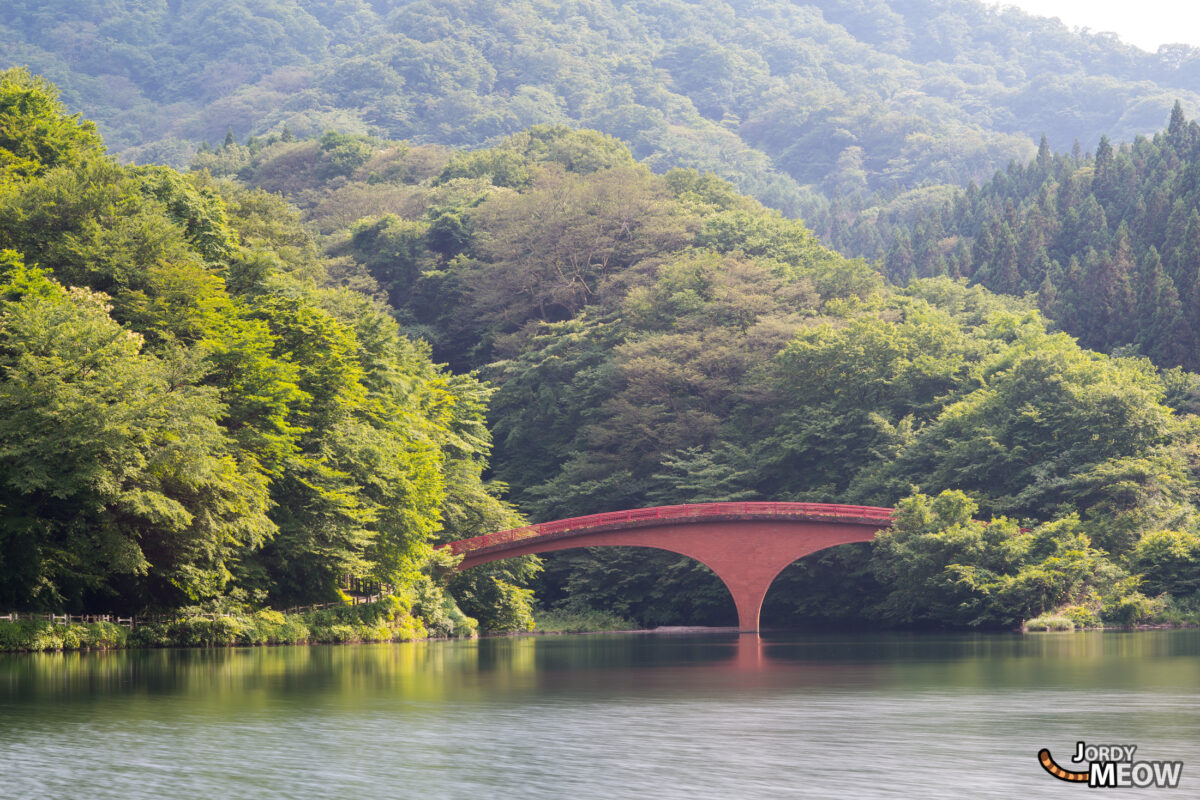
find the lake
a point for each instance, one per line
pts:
(861, 715)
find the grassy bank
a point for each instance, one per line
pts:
(1135, 611)
(389, 620)
(580, 621)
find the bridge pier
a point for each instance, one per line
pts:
(749, 607)
(748, 575)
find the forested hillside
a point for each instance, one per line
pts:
(664, 339)
(209, 394)
(796, 102)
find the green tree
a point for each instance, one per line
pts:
(1053, 424)
(116, 475)
(941, 566)
(548, 253)
(847, 393)
(919, 558)
(36, 133)
(1169, 561)
(1164, 336)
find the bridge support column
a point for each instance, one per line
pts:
(748, 582)
(748, 558)
(749, 602)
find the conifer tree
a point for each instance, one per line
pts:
(1186, 261)
(901, 265)
(1111, 281)
(1006, 275)
(1045, 160)
(1163, 335)
(1177, 130)
(1105, 164)
(1048, 297)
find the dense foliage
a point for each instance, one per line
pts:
(189, 410)
(211, 396)
(793, 101)
(663, 339)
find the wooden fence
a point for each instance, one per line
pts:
(67, 619)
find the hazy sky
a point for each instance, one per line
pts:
(1145, 23)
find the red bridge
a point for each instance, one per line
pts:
(746, 544)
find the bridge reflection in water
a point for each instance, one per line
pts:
(746, 545)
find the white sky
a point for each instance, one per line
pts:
(1144, 23)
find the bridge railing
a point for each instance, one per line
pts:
(832, 511)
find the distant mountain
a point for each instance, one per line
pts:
(795, 102)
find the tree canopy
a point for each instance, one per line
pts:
(1108, 242)
(192, 409)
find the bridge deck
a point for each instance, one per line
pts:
(828, 512)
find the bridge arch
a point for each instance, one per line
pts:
(746, 545)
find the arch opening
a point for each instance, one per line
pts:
(652, 586)
(826, 588)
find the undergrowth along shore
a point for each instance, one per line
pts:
(388, 620)
(588, 620)
(1161, 612)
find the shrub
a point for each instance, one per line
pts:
(566, 620)
(439, 613)
(390, 619)
(1050, 623)
(41, 636)
(1130, 609)
(150, 635)
(12, 636)
(71, 637)
(1180, 610)
(1082, 616)
(1169, 561)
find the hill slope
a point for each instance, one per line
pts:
(198, 403)
(794, 102)
(659, 339)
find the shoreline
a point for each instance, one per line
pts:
(669, 630)
(105, 637)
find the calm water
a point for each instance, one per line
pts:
(656, 716)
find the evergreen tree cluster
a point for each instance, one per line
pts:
(1109, 244)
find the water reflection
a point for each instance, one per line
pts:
(593, 716)
(433, 670)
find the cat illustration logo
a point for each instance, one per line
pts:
(1112, 766)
